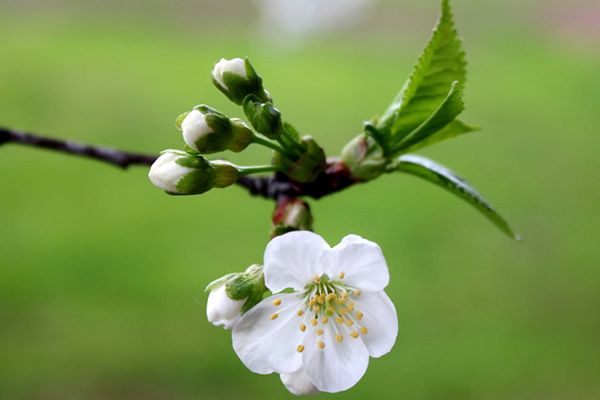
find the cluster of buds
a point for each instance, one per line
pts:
(234, 294)
(206, 130)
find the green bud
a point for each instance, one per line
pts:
(264, 117)
(364, 158)
(180, 173)
(249, 285)
(237, 79)
(309, 165)
(206, 130)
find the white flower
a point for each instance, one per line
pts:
(320, 336)
(234, 66)
(222, 310)
(195, 128)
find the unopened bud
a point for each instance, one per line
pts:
(207, 130)
(236, 78)
(234, 294)
(364, 158)
(264, 117)
(308, 166)
(291, 215)
(177, 172)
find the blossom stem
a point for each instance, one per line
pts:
(272, 145)
(257, 169)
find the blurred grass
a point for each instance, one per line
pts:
(101, 275)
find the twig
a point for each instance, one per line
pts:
(335, 178)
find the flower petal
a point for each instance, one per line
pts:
(380, 319)
(291, 260)
(298, 383)
(336, 366)
(266, 337)
(360, 261)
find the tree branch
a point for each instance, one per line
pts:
(336, 177)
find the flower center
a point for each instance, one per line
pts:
(329, 304)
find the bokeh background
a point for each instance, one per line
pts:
(102, 275)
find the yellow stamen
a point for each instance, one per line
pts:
(321, 299)
(321, 345)
(315, 308)
(325, 320)
(342, 275)
(300, 313)
(357, 293)
(339, 338)
(350, 306)
(363, 330)
(274, 316)
(331, 297)
(354, 334)
(317, 279)
(276, 302)
(349, 322)
(359, 315)
(339, 320)
(300, 348)
(314, 322)
(302, 327)
(319, 332)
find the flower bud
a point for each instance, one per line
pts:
(221, 310)
(236, 78)
(207, 130)
(264, 117)
(177, 172)
(308, 166)
(234, 294)
(364, 158)
(291, 215)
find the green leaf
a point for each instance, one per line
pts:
(453, 129)
(441, 63)
(447, 112)
(435, 173)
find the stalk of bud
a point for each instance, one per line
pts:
(207, 130)
(236, 78)
(177, 172)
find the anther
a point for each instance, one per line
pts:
(302, 327)
(276, 302)
(349, 322)
(357, 293)
(342, 275)
(339, 338)
(300, 313)
(321, 345)
(359, 315)
(339, 320)
(314, 322)
(300, 348)
(354, 334)
(363, 330)
(325, 320)
(274, 316)
(319, 332)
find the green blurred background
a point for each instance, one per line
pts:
(102, 275)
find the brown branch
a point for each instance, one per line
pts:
(335, 178)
